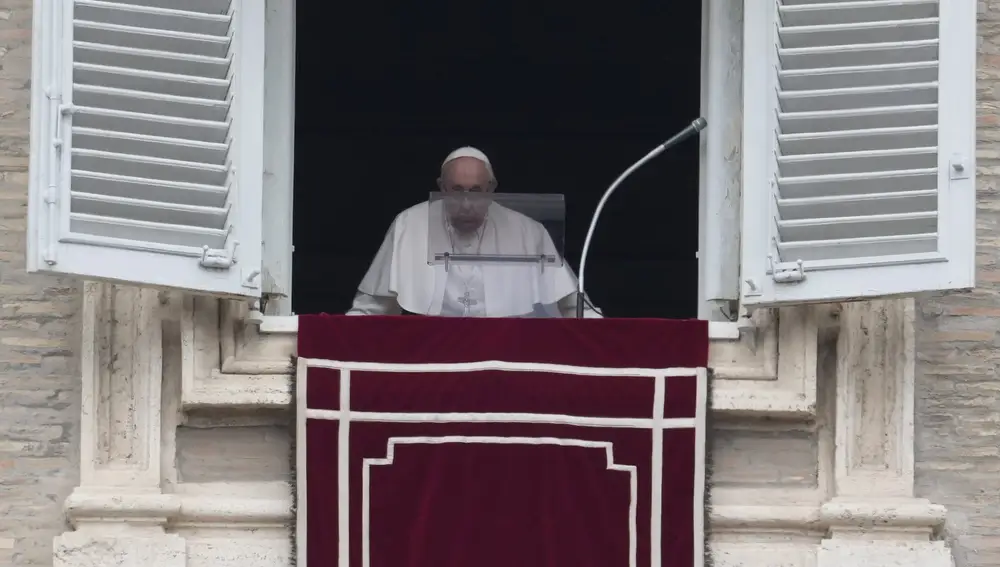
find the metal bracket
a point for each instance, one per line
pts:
(251, 280)
(65, 110)
(959, 167)
(218, 259)
(51, 195)
(258, 307)
(784, 274)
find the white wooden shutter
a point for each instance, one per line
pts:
(147, 142)
(859, 141)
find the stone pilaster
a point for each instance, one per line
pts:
(873, 516)
(119, 510)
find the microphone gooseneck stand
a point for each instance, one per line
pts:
(697, 126)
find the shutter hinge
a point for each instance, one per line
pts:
(64, 111)
(51, 200)
(51, 195)
(786, 273)
(218, 259)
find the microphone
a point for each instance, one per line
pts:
(696, 126)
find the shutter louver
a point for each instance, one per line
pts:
(160, 123)
(858, 179)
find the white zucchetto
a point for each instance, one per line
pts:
(470, 152)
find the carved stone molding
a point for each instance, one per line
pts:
(875, 397)
(119, 511)
(765, 535)
(139, 343)
(121, 359)
(224, 506)
(231, 361)
(862, 510)
(771, 370)
(226, 362)
(248, 524)
(219, 524)
(874, 518)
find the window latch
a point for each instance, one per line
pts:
(959, 167)
(218, 259)
(786, 273)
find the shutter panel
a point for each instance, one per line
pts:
(859, 149)
(147, 149)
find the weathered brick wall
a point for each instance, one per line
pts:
(39, 332)
(958, 387)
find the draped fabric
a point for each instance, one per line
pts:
(434, 442)
(400, 269)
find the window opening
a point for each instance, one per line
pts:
(560, 100)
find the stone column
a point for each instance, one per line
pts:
(119, 510)
(873, 515)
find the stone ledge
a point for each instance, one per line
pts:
(88, 504)
(270, 504)
(738, 518)
(777, 404)
(885, 513)
(263, 504)
(234, 358)
(240, 391)
(233, 504)
(895, 513)
(289, 325)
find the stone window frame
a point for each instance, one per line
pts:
(250, 366)
(719, 162)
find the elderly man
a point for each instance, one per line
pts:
(401, 279)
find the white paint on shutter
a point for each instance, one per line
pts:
(149, 142)
(859, 141)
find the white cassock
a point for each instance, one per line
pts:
(400, 276)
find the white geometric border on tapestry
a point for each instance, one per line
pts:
(345, 416)
(608, 447)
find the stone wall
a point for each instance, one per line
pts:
(234, 453)
(39, 334)
(958, 388)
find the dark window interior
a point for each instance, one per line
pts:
(561, 97)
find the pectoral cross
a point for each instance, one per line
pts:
(467, 301)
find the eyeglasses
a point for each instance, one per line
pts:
(460, 189)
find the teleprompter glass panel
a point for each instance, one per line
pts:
(496, 228)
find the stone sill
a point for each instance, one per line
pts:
(235, 358)
(289, 324)
(270, 505)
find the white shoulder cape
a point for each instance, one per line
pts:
(401, 269)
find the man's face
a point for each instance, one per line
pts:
(467, 185)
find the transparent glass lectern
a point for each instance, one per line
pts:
(496, 228)
(501, 253)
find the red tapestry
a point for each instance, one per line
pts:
(448, 442)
